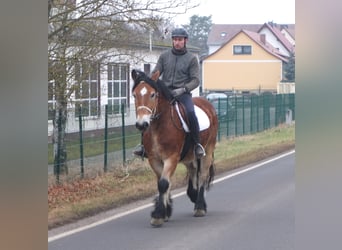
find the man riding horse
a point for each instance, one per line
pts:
(179, 70)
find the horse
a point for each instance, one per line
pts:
(167, 143)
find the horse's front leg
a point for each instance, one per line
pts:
(163, 203)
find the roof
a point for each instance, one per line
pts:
(275, 29)
(256, 37)
(221, 33)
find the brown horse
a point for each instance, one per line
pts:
(166, 143)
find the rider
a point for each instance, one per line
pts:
(179, 70)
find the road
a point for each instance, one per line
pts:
(250, 208)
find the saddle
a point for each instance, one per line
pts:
(203, 122)
(203, 119)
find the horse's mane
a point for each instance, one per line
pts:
(158, 85)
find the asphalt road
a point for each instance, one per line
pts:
(248, 209)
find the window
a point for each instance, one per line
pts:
(242, 49)
(87, 91)
(117, 87)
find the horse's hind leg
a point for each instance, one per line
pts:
(192, 191)
(205, 175)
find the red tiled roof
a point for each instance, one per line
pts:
(277, 33)
(216, 36)
(256, 37)
(221, 33)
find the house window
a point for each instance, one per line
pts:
(242, 49)
(51, 100)
(87, 91)
(117, 87)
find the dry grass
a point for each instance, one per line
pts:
(74, 200)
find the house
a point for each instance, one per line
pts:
(246, 62)
(279, 37)
(221, 33)
(275, 33)
(251, 56)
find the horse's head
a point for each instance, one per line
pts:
(145, 93)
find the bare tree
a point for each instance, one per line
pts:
(85, 30)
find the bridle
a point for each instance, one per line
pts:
(152, 111)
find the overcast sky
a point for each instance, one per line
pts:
(243, 11)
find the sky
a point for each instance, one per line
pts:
(243, 11)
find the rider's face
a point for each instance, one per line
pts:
(178, 42)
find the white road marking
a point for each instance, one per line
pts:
(119, 215)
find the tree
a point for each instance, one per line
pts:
(198, 29)
(290, 69)
(80, 33)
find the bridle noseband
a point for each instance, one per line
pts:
(153, 111)
(154, 115)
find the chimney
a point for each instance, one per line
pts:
(263, 38)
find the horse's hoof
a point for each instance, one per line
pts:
(199, 213)
(157, 222)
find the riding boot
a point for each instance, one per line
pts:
(140, 150)
(194, 132)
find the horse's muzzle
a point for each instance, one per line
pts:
(141, 126)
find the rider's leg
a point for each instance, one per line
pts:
(186, 100)
(140, 150)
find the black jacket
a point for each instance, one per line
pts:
(178, 71)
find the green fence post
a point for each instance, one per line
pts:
(228, 109)
(236, 115)
(277, 109)
(219, 120)
(123, 134)
(243, 115)
(81, 140)
(57, 162)
(257, 119)
(251, 115)
(292, 105)
(105, 168)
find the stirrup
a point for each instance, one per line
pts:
(199, 150)
(140, 151)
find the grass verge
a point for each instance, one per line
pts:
(81, 198)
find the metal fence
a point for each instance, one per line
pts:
(241, 115)
(104, 149)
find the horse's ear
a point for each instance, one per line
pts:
(134, 74)
(155, 75)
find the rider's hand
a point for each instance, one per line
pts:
(178, 92)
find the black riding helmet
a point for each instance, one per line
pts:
(179, 32)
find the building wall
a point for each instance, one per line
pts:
(225, 71)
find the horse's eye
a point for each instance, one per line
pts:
(134, 96)
(153, 95)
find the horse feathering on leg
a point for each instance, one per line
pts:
(165, 143)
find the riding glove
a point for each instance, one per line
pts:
(178, 92)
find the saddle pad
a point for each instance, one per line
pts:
(203, 119)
